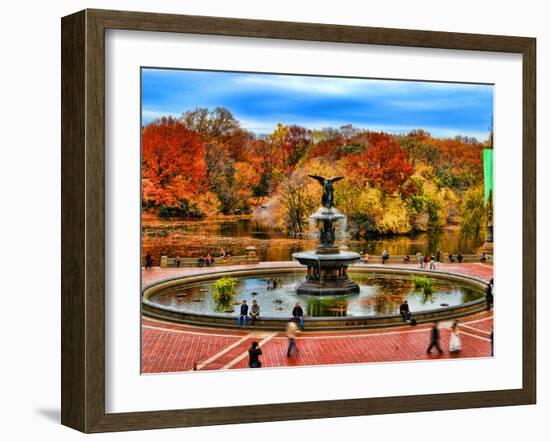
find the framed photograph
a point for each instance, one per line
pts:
(267, 221)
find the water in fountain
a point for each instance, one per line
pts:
(313, 231)
(342, 232)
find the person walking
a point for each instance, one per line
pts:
(291, 333)
(432, 262)
(178, 261)
(454, 343)
(298, 315)
(438, 255)
(241, 319)
(435, 337)
(459, 258)
(385, 256)
(254, 312)
(254, 353)
(421, 261)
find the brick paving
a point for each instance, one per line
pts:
(168, 347)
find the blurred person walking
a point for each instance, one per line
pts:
(291, 333)
(435, 337)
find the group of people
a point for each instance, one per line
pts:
(428, 261)
(243, 314)
(454, 259)
(364, 257)
(254, 352)
(254, 313)
(292, 330)
(226, 255)
(206, 260)
(435, 335)
(455, 343)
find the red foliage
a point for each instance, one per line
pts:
(173, 166)
(459, 155)
(384, 165)
(327, 149)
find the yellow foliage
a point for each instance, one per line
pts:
(208, 203)
(395, 218)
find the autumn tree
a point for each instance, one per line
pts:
(383, 165)
(226, 144)
(474, 215)
(298, 201)
(413, 144)
(299, 140)
(173, 167)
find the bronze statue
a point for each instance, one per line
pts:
(327, 200)
(327, 234)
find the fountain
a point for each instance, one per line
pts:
(327, 266)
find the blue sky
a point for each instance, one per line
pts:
(260, 101)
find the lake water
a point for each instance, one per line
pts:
(197, 238)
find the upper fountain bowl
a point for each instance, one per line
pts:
(326, 214)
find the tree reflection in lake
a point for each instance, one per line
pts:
(197, 238)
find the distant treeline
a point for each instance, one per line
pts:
(206, 164)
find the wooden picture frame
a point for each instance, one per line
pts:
(83, 219)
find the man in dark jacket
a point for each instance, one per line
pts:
(405, 311)
(435, 335)
(242, 315)
(298, 315)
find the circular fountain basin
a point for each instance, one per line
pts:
(189, 299)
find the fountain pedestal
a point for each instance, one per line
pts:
(327, 266)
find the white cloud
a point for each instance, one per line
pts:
(319, 85)
(348, 86)
(259, 126)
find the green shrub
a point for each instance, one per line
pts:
(224, 291)
(423, 285)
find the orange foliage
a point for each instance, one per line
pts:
(173, 166)
(383, 165)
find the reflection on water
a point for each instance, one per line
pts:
(380, 294)
(195, 238)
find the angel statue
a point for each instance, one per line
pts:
(328, 189)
